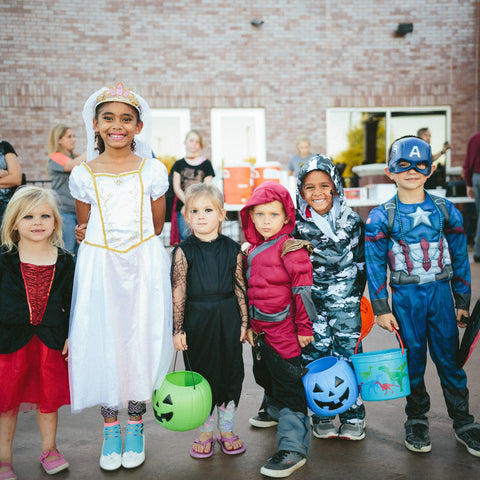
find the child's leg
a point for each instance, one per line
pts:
(8, 423)
(109, 414)
(111, 457)
(262, 378)
(51, 459)
(443, 344)
(346, 327)
(136, 410)
(47, 425)
(134, 450)
(410, 309)
(321, 346)
(206, 434)
(226, 420)
(293, 431)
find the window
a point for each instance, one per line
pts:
(361, 136)
(169, 127)
(238, 134)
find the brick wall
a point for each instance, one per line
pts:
(308, 55)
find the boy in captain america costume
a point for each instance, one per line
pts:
(421, 239)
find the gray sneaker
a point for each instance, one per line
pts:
(352, 431)
(417, 438)
(283, 464)
(469, 435)
(324, 428)
(262, 420)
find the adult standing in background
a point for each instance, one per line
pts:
(438, 178)
(62, 160)
(191, 169)
(471, 175)
(10, 175)
(302, 156)
(425, 134)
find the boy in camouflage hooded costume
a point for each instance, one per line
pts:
(336, 233)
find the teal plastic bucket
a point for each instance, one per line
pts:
(382, 375)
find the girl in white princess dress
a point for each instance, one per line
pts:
(121, 321)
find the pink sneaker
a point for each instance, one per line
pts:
(9, 474)
(53, 466)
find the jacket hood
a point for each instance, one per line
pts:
(267, 192)
(320, 162)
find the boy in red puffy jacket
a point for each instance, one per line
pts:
(279, 275)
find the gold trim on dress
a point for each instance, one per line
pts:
(104, 174)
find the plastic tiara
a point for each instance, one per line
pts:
(118, 93)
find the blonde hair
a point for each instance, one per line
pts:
(209, 191)
(22, 203)
(56, 133)
(199, 135)
(300, 139)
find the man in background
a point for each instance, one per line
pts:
(471, 175)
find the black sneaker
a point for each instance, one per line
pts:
(417, 438)
(283, 464)
(469, 435)
(263, 420)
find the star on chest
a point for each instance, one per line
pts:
(419, 217)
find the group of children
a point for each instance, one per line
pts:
(293, 292)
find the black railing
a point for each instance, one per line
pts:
(40, 183)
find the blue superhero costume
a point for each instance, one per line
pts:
(424, 246)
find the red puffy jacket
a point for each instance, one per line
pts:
(279, 288)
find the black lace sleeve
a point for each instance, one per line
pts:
(240, 291)
(179, 288)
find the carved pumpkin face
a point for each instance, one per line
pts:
(159, 407)
(330, 386)
(183, 401)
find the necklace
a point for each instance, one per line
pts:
(402, 233)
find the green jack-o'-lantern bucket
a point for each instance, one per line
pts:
(183, 401)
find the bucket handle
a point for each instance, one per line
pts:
(398, 336)
(189, 366)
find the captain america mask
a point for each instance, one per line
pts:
(410, 152)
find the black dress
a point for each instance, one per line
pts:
(211, 317)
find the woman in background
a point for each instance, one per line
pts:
(62, 160)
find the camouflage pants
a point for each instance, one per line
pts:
(336, 330)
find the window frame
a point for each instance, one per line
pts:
(216, 116)
(184, 116)
(388, 118)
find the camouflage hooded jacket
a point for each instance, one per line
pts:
(338, 257)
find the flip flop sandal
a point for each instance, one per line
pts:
(195, 454)
(233, 451)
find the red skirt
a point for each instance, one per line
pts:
(34, 377)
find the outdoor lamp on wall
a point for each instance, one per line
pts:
(404, 28)
(256, 22)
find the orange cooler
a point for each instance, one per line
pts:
(268, 172)
(237, 186)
